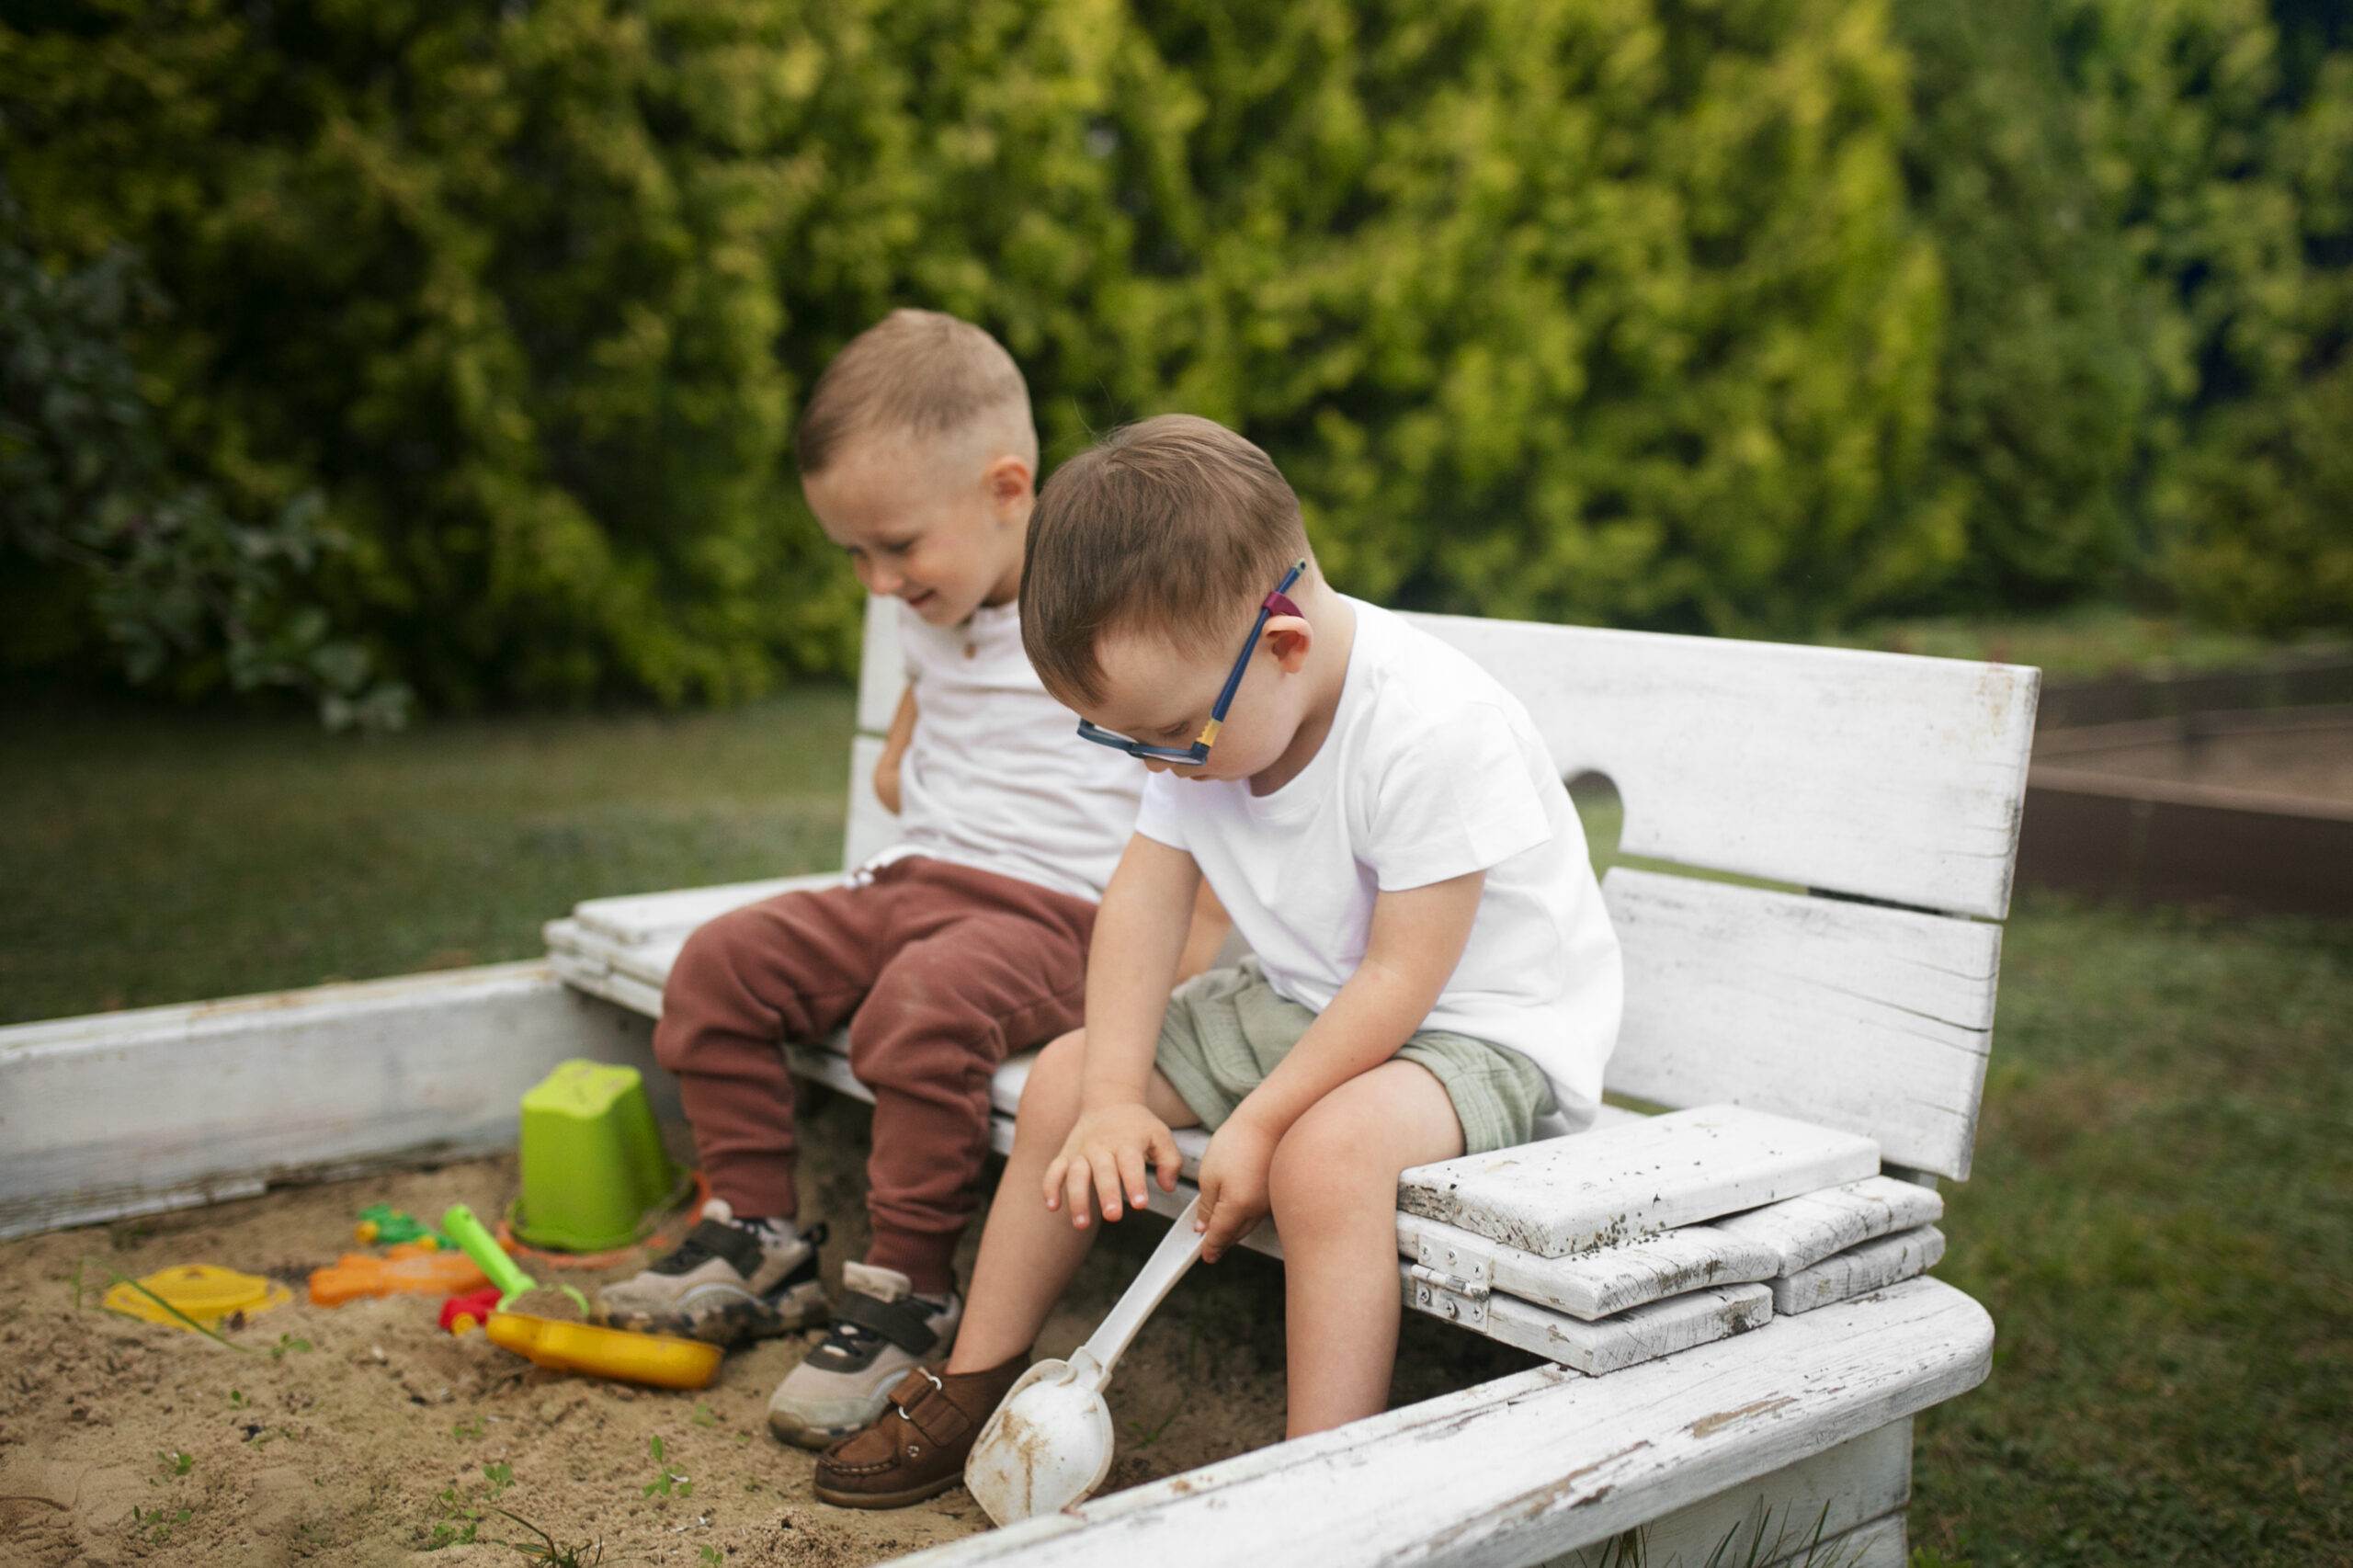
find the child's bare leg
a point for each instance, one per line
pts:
(1028, 1252)
(1334, 1187)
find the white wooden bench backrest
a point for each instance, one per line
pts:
(1874, 776)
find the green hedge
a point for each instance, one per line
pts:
(1744, 315)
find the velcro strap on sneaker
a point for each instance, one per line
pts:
(925, 1404)
(906, 1325)
(714, 1238)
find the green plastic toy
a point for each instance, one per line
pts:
(595, 1174)
(380, 1224)
(477, 1244)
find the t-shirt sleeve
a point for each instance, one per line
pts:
(1158, 817)
(1456, 797)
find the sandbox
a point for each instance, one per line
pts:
(354, 1435)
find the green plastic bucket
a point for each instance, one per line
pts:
(595, 1174)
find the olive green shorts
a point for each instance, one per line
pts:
(1225, 1030)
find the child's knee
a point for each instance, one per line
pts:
(1050, 1099)
(1329, 1162)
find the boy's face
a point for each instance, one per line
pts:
(940, 524)
(1161, 696)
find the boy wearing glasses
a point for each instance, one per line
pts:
(1433, 971)
(962, 943)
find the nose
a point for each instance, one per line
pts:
(1154, 764)
(878, 579)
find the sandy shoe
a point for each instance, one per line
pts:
(882, 1330)
(727, 1282)
(918, 1449)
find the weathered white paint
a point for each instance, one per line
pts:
(1802, 1231)
(1532, 1465)
(1635, 1335)
(1598, 1188)
(1596, 1284)
(1877, 774)
(128, 1113)
(1875, 1021)
(638, 918)
(1776, 1516)
(1874, 1265)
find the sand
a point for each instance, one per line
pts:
(123, 1441)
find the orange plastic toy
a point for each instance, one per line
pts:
(411, 1269)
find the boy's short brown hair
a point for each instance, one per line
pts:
(1174, 526)
(916, 373)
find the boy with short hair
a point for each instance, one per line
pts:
(1433, 972)
(964, 942)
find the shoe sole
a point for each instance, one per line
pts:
(738, 1320)
(818, 1438)
(887, 1499)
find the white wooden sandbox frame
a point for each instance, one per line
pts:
(1888, 787)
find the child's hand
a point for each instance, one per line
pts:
(1109, 1148)
(1233, 1184)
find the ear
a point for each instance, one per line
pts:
(1290, 638)
(1008, 482)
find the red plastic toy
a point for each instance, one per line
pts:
(463, 1314)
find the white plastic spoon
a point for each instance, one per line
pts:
(1050, 1443)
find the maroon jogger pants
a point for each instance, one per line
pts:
(942, 970)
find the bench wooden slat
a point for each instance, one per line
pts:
(1776, 1517)
(1879, 774)
(1539, 1463)
(1874, 1265)
(1874, 1020)
(1594, 1284)
(1598, 1188)
(1631, 1337)
(1802, 1231)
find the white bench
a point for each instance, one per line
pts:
(1884, 792)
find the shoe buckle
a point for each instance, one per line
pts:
(929, 1377)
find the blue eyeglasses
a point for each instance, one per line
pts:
(1198, 752)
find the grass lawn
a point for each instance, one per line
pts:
(2161, 1219)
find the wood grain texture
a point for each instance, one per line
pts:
(1777, 1517)
(1635, 1335)
(1874, 1265)
(1802, 1231)
(1601, 1188)
(1878, 774)
(128, 1113)
(1535, 1464)
(1595, 1284)
(1874, 1020)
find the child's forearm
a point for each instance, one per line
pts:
(894, 752)
(1140, 934)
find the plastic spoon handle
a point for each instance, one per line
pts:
(462, 1228)
(1177, 1251)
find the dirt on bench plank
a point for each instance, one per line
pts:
(363, 1435)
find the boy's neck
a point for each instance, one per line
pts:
(1326, 673)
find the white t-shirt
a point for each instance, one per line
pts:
(1431, 771)
(996, 776)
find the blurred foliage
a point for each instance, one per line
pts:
(173, 583)
(1741, 316)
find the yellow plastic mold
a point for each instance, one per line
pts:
(661, 1359)
(204, 1292)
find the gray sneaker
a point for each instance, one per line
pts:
(881, 1329)
(725, 1283)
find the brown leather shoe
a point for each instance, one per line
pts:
(917, 1448)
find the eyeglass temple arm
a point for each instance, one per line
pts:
(1266, 608)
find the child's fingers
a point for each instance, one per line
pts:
(1074, 1183)
(1131, 1177)
(1056, 1170)
(1108, 1190)
(1165, 1159)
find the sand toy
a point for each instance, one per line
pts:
(1050, 1443)
(661, 1359)
(461, 1316)
(204, 1293)
(413, 1268)
(380, 1224)
(595, 1174)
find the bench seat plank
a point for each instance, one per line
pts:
(1594, 1284)
(1534, 1464)
(1846, 1015)
(1802, 1231)
(1598, 1188)
(1874, 1265)
(1777, 1517)
(1631, 1337)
